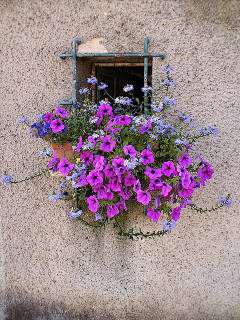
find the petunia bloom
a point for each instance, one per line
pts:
(57, 126)
(147, 157)
(95, 178)
(143, 197)
(108, 144)
(61, 112)
(184, 160)
(153, 214)
(168, 168)
(130, 151)
(93, 203)
(112, 210)
(65, 167)
(48, 117)
(175, 214)
(86, 157)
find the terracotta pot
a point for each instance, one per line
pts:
(64, 150)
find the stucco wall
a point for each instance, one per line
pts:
(54, 268)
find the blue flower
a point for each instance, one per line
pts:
(55, 196)
(170, 82)
(62, 185)
(92, 80)
(49, 151)
(167, 68)
(213, 130)
(157, 106)
(128, 88)
(168, 225)
(145, 89)
(6, 178)
(169, 100)
(74, 214)
(42, 153)
(102, 86)
(226, 202)
(98, 216)
(23, 119)
(83, 90)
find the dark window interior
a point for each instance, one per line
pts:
(118, 77)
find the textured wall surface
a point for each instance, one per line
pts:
(54, 268)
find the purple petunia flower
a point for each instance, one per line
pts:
(205, 174)
(168, 168)
(80, 143)
(53, 161)
(95, 178)
(153, 173)
(129, 180)
(184, 160)
(137, 186)
(147, 157)
(104, 110)
(61, 112)
(204, 162)
(65, 167)
(57, 125)
(143, 197)
(108, 144)
(112, 210)
(130, 151)
(109, 171)
(175, 214)
(185, 193)
(93, 204)
(124, 120)
(153, 214)
(86, 157)
(165, 188)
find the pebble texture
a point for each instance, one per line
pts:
(53, 268)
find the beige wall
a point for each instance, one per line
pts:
(54, 268)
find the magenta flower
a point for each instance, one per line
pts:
(48, 117)
(165, 189)
(153, 173)
(82, 181)
(186, 180)
(153, 214)
(57, 125)
(95, 178)
(185, 193)
(114, 184)
(65, 167)
(79, 144)
(205, 174)
(168, 168)
(175, 214)
(147, 156)
(118, 164)
(204, 162)
(129, 180)
(104, 110)
(86, 157)
(185, 203)
(157, 202)
(93, 203)
(112, 210)
(181, 170)
(137, 186)
(61, 112)
(109, 171)
(125, 194)
(53, 161)
(108, 144)
(143, 197)
(130, 151)
(99, 163)
(122, 205)
(184, 160)
(124, 120)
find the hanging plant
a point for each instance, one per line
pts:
(118, 154)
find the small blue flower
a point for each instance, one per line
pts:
(168, 225)
(49, 151)
(226, 202)
(83, 90)
(170, 100)
(6, 178)
(213, 130)
(167, 68)
(98, 216)
(76, 214)
(146, 89)
(55, 196)
(170, 82)
(42, 153)
(92, 80)
(102, 86)
(40, 116)
(128, 88)
(23, 119)
(62, 185)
